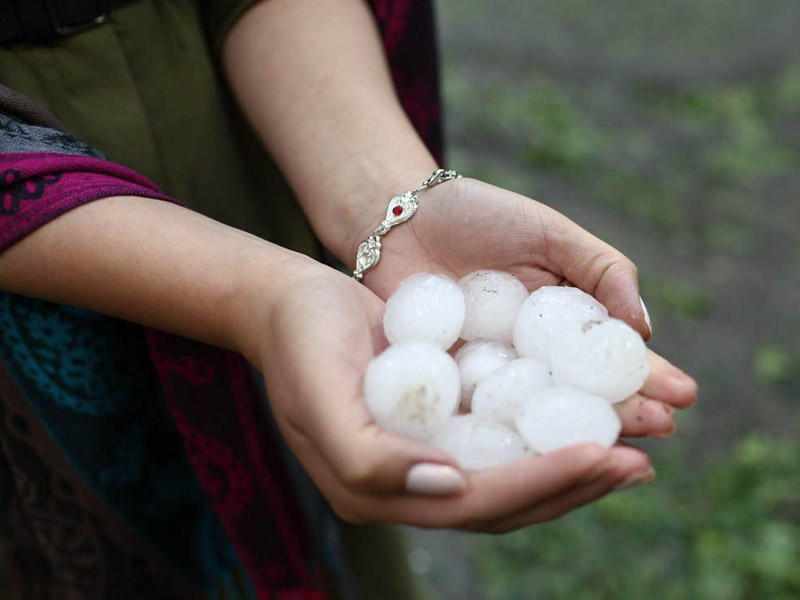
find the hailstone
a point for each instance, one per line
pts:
(549, 313)
(478, 443)
(478, 359)
(500, 394)
(607, 358)
(557, 417)
(412, 389)
(425, 307)
(493, 299)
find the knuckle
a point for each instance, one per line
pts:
(653, 410)
(359, 474)
(628, 265)
(590, 453)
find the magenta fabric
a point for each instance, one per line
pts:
(235, 455)
(210, 394)
(209, 391)
(37, 188)
(409, 39)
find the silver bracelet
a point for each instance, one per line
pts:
(401, 209)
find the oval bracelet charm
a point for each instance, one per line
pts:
(401, 208)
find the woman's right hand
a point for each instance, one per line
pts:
(314, 345)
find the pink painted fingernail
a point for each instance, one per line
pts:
(435, 480)
(646, 315)
(635, 479)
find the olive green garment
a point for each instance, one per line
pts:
(144, 89)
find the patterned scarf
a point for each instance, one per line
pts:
(209, 392)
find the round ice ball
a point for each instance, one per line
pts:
(557, 417)
(412, 389)
(493, 299)
(476, 360)
(478, 443)
(607, 358)
(500, 394)
(425, 307)
(547, 314)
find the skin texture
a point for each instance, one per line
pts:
(343, 141)
(334, 324)
(311, 77)
(175, 270)
(312, 331)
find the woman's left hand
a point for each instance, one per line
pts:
(465, 225)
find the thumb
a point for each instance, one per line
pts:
(598, 269)
(332, 417)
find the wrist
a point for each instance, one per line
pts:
(265, 275)
(369, 200)
(347, 198)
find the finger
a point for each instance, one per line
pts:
(629, 464)
(595, 267)
(369, 459)
(642, 416)
(495, 493)
(319, 392)
(669, 384)
(491, 495)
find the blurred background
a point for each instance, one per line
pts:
(672, 131)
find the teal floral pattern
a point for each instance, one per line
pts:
(90, 380)
(67, 354)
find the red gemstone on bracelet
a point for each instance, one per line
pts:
(397, 210)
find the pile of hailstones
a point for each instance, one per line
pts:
(495, 402)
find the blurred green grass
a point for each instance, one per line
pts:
(673, 132)
(738, 540)
(727, 137)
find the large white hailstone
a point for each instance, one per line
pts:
(412, 389)
(493, 300)
(557, 417)
(476, 360)
(478, 443)
(425, 307)
(500, 394)
(549, 313)
(607, 358)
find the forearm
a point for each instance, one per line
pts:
(313, 80)
(154, 263)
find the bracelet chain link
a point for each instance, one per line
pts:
(401, 208)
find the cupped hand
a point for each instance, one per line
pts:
(464, 225)
(316, 341)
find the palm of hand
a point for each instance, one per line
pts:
(318, 341)
(465, 225)
(327, 328)
(462, 226)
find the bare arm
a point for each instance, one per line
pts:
(312, 78)
(155, 263)
(312, 331)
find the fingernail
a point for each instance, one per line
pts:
(637, 478)
(434, 480)
(646, 315)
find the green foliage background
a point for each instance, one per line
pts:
(727, 531)
(672, 131)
